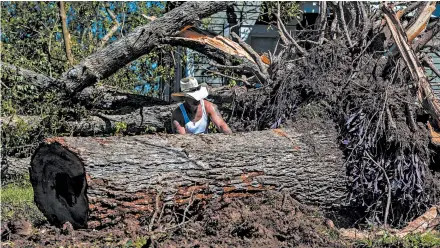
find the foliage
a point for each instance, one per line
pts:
(288, 10)
(120, 127)
(136, 243)
(31, 38)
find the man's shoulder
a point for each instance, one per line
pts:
(211, 108)
(208, 104)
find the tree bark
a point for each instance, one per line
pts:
(109, 98)
(153, 118)
(96, 182)
(13, 168)
(12, 74)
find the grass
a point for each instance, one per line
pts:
(425, 240)
(17, 202)
(17, 194)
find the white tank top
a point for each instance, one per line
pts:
(201, 126)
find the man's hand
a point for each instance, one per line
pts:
(179, 128)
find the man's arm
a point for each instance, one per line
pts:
(216, 118)
(175, 125)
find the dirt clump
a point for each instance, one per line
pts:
(268, 219)
(274, 220)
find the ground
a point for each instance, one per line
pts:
(269, 219)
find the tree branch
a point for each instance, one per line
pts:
(430, 33)
(344, 24)
(428, 63)
(66, 34)
(114, 27)
(285, 36)
(421, 21)
(366, 23)
(408, 9)
(109, 98)
(280, 31)
(251, 51)
(323, 22)
(334, 25)
(230, 77)
(12, 74)
(111, 58)
(424, 91)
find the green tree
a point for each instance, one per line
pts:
(32, 38)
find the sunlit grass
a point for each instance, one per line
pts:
(17, 201)
(17, 194)
(425, 240)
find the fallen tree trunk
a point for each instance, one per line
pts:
(126, 120)
(14, 168)
(96, 182)
(108, 60)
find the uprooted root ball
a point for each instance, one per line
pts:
(369, 99)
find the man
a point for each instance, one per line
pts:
(193, 115)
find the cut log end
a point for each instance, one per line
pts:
(59, 183)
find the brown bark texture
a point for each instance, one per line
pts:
(96, 182)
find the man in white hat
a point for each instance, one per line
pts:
(192, 116)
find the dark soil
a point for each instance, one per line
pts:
(266, 220)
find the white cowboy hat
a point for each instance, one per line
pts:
(190, 88)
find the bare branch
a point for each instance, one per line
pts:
(323, 22)
(425, 94)
(353, 14)
(313, 42)
(334, 25)
(282, 36)
(228, 67)
(366, 23)
(427, 62)
(150, 18)
(408, 9)
(66, 34)
(113, 29)
(290, 39)
(230, 77)
(344, 24)
(12, 74)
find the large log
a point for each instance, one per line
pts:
(142, 120)
(95, 182)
